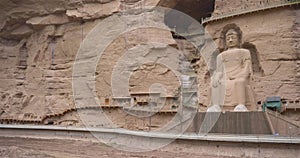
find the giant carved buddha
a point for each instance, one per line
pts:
(231, 88)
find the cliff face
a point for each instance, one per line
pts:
(39, 40)
(227, 6)
(38, 44)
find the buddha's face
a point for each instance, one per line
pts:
(232, 39)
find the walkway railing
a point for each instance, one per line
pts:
(248, 10)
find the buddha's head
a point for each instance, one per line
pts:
(231, 36)
(232, 39)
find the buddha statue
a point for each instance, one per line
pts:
(231, 87)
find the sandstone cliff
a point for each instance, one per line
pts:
(38, 44)
(39, 40)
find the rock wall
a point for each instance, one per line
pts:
(146, 74)
(226, 6)
(38, 44)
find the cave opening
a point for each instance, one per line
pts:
(196, 9)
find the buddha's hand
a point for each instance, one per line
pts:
(215, 83)
(217, 80)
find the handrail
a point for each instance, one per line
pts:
(282, 117)
(85, 133)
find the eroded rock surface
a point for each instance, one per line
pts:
(38, 44)
(39, 41)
